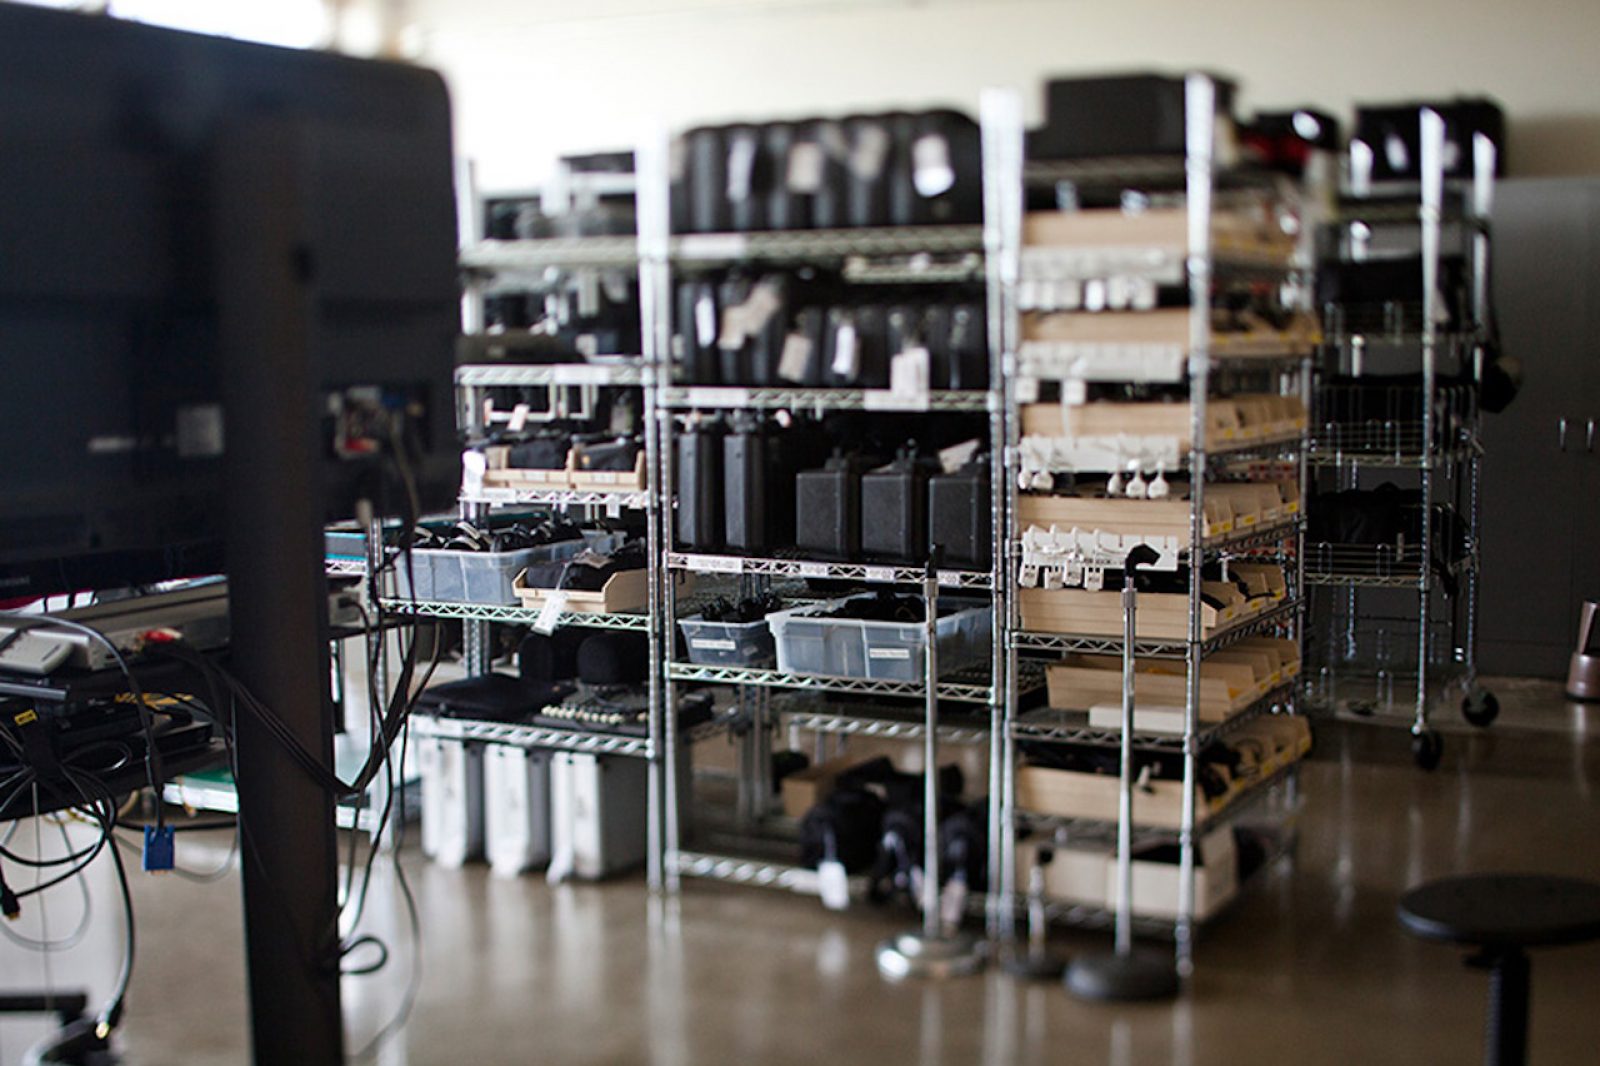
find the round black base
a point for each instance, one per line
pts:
(1031, 966)
(1122, 977)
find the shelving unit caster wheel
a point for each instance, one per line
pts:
(1427, 747)
(1480, 707)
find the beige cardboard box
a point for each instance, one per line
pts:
(1155, 884)
(1069, 794)
(1075, 875)
(1152, 518)
(1162, 615)
(1081, 681)
(805, 788)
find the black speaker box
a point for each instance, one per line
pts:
(758, 488)
(694, 347)
(944, 161)
(732, 362)
(830, 198)
(1394, 133)
(699, 495)
(959, 515)
(787, 207)
(827, 505)
(708, 180)
(893, 504)
(871, 146)
(1123, 115)
(810, 327)
(749, 177)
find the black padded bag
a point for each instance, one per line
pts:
(614, 658)
(846, 825)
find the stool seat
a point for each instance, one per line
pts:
(1504, 910)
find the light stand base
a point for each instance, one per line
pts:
(920, 955)
(1113, 977)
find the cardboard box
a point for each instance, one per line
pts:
(1075, 875)
(628, 590)
(1162, 615)
(807, 787)
(1079, 682)
(1157, 875)
(1152, 518)
(610, 480)
(1070, 794)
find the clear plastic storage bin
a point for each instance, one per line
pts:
(877, 651)
(727, 643)
(447, 575)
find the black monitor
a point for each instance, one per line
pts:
(110, 400)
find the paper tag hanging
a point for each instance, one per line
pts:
(931, 172)
(741, 166)
(805, 167)
(846, 360)
(870, 151)
(705, 320)
(550, 613)
(796, 357)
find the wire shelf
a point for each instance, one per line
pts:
(1372, 565)
(633, 499)
(748, 871)
(871, 720)
(497, 612)
(803, 568)
(587, 741)
(1026, 640)
(725, 397)
(514, 375)
(826, 245)
(1072, 727)
(344, 567)
(550, 253)
(966, 686)
(1160, 363)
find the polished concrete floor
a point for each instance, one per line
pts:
(1309, 967)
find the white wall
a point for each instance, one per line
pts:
(536, 78)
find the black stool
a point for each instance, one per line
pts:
(1502, 915)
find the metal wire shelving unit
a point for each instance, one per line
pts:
(1208, 362)
(1427, 428)
(924, 255)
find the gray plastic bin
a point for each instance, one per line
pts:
(877, 651)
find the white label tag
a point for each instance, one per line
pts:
(805, 167)
(473, 466)
(1075, 393)
(931, 172)
(846, 360)
(812, 569)
(870, 151)
(949, 579)
(714, 564)
(796, 357)
(909, 374)
(519, 417)
(613, 508)
(878, 573)
(714, 645)
(741, 166)
(705, 320)
(889, 653)
(554, 604)
(833, 884)
(718, 397)
(735, 327)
